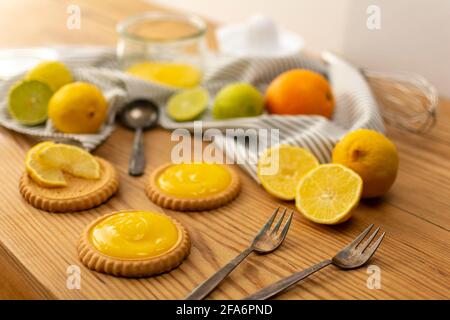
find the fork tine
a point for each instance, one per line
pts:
(286, 227)
(278, 224)
(371, 250)
(269, 222)
(366, 243)
(358, 239)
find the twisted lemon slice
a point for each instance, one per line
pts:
(64, 178)
(44, 175)
(46, 161)
(71, 159)
(134, 244)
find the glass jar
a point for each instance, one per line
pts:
(161, 46)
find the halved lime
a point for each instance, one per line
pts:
(188, 105)
(28, 101)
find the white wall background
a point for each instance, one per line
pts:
(414, 35)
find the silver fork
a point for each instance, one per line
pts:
(267, 240)
(351, 257)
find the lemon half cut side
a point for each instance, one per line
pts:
(328, 194)
(281, 168)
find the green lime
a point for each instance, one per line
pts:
(54, 73)
(28, 101)
(238, 100)
(188, 105)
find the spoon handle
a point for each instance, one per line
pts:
(137, 161)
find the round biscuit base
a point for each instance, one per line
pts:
(167, 201)
(80, 194)
(97, 261)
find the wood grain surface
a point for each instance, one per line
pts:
(37, 247)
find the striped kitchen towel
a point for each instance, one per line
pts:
(355, 105)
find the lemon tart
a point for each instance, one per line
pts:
(193, 186)
(133, 244)
(64, 178)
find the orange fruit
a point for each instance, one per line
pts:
(300, 91)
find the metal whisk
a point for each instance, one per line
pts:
(407, 100)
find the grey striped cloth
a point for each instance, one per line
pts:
(355, 104)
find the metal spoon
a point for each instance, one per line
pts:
(138, 115)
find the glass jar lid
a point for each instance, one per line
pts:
(161, 27)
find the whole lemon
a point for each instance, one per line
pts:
(54, 73)
(373, 156)
(78, 107)
(300, 91)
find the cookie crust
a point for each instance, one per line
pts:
(132, 268)
(80, 194)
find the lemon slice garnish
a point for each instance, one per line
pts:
(47, 161)
(71, 159)
(42, 174)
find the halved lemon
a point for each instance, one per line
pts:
(42, 174)
(281, 168)
(70, 159)
(328, 194)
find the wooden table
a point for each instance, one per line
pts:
(37, 247)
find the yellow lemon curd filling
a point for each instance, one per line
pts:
(194, 180)
(134, 235)
(172, 74)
